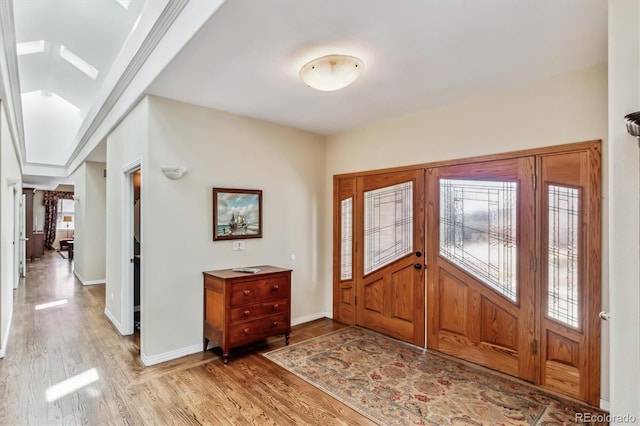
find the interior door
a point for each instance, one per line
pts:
(570, 273)
(390, 254)
(481, 260)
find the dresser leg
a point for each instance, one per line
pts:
(286, 339)
(225, 358)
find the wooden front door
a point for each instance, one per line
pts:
(390, 254)
(480, 256)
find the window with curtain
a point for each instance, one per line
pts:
(65, 219)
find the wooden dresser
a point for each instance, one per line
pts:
(241, 308)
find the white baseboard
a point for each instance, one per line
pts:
(114, 321)
(168, 356)
(604, 405)
(5, 340)
(88, 282)
(312, 317)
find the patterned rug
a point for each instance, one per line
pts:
(391, 382)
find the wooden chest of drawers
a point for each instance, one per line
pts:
(241, 308)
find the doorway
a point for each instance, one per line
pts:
(132, 266)
(136, 250)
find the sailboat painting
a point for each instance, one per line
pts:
(237, 213)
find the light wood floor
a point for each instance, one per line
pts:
(48, 346)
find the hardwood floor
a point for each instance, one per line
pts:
(49, 346)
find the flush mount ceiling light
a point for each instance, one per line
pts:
(332, 72)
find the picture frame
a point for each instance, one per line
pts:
(237, 214)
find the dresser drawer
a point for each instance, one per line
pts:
(259, 290)
(251, 331)
(259, 310)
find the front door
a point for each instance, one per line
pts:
(390, 254)
(480, 255)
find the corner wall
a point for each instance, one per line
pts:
(567, 108)
(10, 178)
(219, 150)
(90, 223)
(624, 208)
(125, 145)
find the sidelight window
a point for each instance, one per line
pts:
(562, 292)
(346, 239)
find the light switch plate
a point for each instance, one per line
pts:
(238, 245)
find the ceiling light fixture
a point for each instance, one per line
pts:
(332, 72)
(29, 47)
(78, 62)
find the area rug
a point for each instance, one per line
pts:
(391, 382)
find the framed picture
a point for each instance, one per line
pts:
(237, 213)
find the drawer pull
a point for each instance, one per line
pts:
(246, 313)
(246, 330)
(275, 323)
(247, 292)
(275, 288)
(275, 306)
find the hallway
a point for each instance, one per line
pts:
(66, 364)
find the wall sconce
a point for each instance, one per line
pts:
(173, 172)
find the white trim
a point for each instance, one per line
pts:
(312, 317)
(114, 321)
(168, 356)
(9, 79)
(5, 341)
(605, 405)
(88, 282)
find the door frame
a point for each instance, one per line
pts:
(127, 250)
(595, 266)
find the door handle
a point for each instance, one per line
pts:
(417, 266)
(418, 253)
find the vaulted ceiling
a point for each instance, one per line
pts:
(243, 56)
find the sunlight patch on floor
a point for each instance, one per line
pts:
(72, 384)
(51, 304)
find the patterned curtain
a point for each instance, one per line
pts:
(51, 214)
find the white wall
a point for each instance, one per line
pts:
(228, 151)
(10, 178)
(624, 208)
(564, 109)
(125, 145)
(89, 263)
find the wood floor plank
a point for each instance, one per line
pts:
(49, 346)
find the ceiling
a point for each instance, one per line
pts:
(245, 59)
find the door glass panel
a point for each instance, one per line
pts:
(478, 223)
(388, 225)
(562, 287)
(346, 239)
